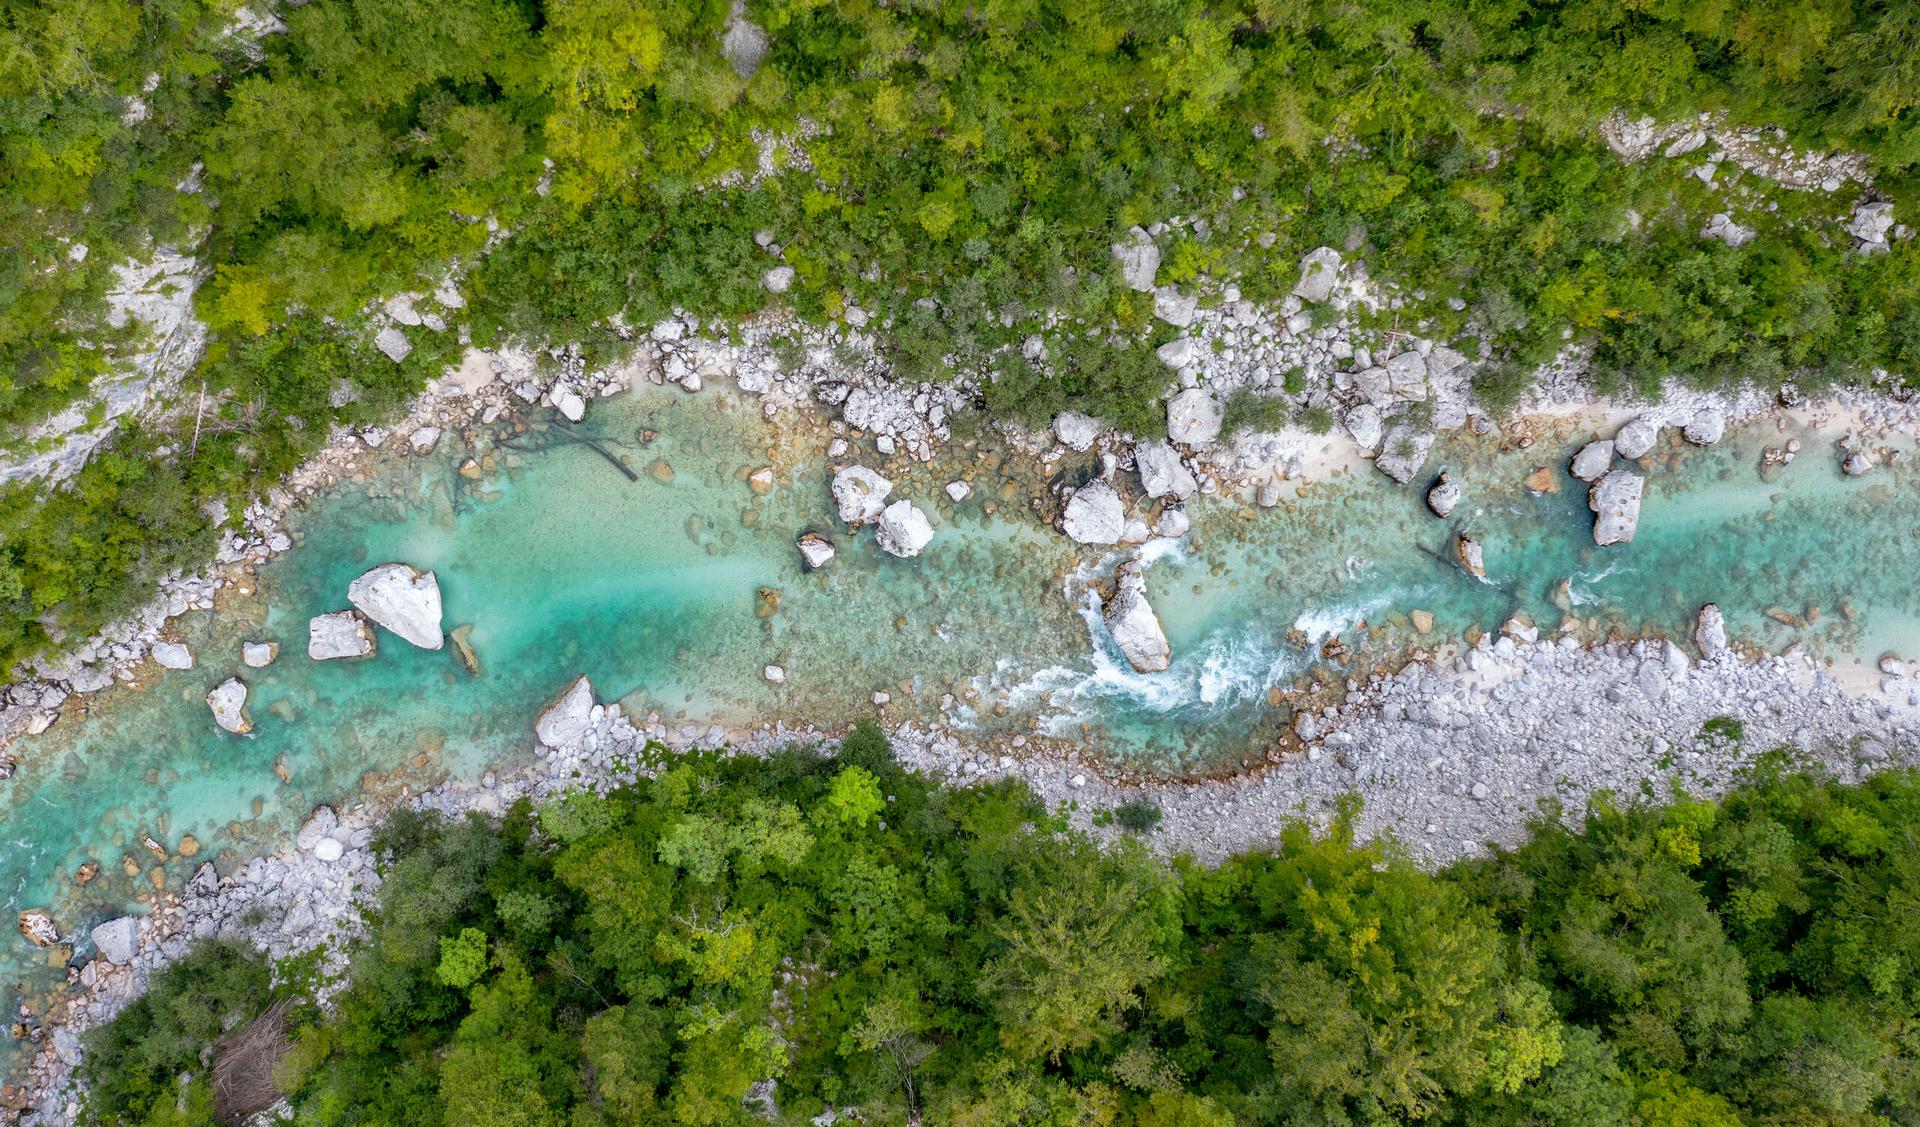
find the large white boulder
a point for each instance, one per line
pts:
(394, 343)
(172, 655)
(1615, 501)
(117, 940)
(1710, 632)
(1175, 306)
(1403, 451)
(568, 717)
(1131, 621)
(1706, 427)
(403, 599)
(342, 633)
(815, 549)
(1194, 417)
(1318, 272)
(228, 700)
(1162, 473)
(1593, 460)
(860, 494)
(1139, 260)
(1094, 515)
(1363, 423)
(1075, 431)
(1636, 437)
(903, 530)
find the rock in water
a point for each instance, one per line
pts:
(1094, 515)
(1635, 438)
(1444, 495)
(568, 718)
(259, 655)
(1710, 632)
(172, 655)
(1542, 481)
(117, 940)
(1706, 427)
(1403, 451)
(1467, 550)
(903, 530)
(1593, 460)
(343, 633)
(860, 494)
(1193, 417)
(462, 638)
(39, 928)
(1615, 501)
(1855, 465)
(402, 599)
(228, 700)
(1131, 621)
(1162, 473)
(815, 550)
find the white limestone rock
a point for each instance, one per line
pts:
(1139, 260)
(1130, 620)
(1854, 465)
(1179, 352)
(1444, 496)
(1194, 417)
(1636, 437)
(329, 850)
(342, 633)
(903, 530)
(1075, 431)
(1363, 423)
(1162, 473)
(117, 940)
(860, 494)
(259, 655)
(568, 717)
(562, 398)
(394, 343)
(1403, 451)
(1094, 515)
(1319, 270)
(1175, 307)
(1593, 460)
(958, 491)
(228, 702)
(1722, 227)
(778, 279)
(1706, 427)
(38, 928)
(1710, 632)
(172, 655)
(1870, 224)
(1615, 501)
(1173, 524)
(1467, 550)
(774, 674)
(816, 551)
(423, 441)
(402, 599)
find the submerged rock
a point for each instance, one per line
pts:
(462, 638)
(1467, 550)
(1173, 524)
(117, 940)
(259, 655)
(1710, 632)
(903, 530)
(402, 599)
(1593, 460)
(1615, 501)
(1444, 495)
(1855, 464)
(1094, 515)
(1162, 473)
(568, 717)
(860, 494)
(172, 655)
(1131, 621)
(1403, 451)
(815, 550)
(342, 633)
(1193, 417)
(1542, 481)
(228, 700)
(1635, 438)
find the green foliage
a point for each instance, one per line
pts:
(1141, 815)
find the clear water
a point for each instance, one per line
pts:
(654, 588)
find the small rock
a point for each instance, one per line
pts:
(958, 491)
(774, 674)
(1363, 423)
(1635, 438)
(329, 849)
(1173, 524)
(1162, 473)
(1422, 621)
(172, 655)
(423, 441)
(1542, 481)
(1174, 307)
(815, 549)
(1444, 496)
(394, 343)
(760, 481)
(39, 928)
(1403, 451)
(1710, 632)
(1139, 260)
(259, 655)
(1855, 464)
(1319, 270)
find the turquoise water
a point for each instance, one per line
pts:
(673, 591)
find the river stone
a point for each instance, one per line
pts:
(1856, 464)
(958, 491)
(1318, 271)
(1193, 417)
(568, 717)
(228, 700)
(39, 928)
(1162, 473)
(172, 655)
(1706, 427)
(403, 599)
(1094, 515)
(1615, 501)
(117, 940)
(1403, 451)
(1444, 495)
(860, 493)
(1635, 437)
(343, 633)
(903, 530)
(1467, 550)
(1139, 260)
(1710, 632)
(1593, 460)
(815, 549)
(259, 655)
(1075, 431)
(1363, 423)
(1131, 621)
(774, 674)
(329, 849)
(1173, 524)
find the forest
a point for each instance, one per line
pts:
(958, 170)
(868, 940)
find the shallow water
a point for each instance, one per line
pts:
(672, 593)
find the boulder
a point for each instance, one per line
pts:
(1318, 272)
(1075, 431)
(1855, 464)
(562, 398)
(403, 599)
(1139, 260)
(903, 530)
(1615, 501)
(228, 700)
(1193, 417)
(958, 491)
(778, 279)
(1871, 222)
(1710, 632)
(1593, 460)
(1173, 524)
(39, 928)
(815, 549)
(861, 494)
(1175, 307)
(393, 343)
(774, 674)
(1178, 352)
(1094, 515)
(343, 633)
(1706, 427)
(117, 940)
(259, 655)
(1723, 227)
(1467, 550)
(1444, 495)
(1363, 423)
(1403, 451)
(172, 655)
(329, 849)
(568, 717)
(1635, 437)
(423, 441)
(1542, 480)
(1162, 473)
(1130, 620)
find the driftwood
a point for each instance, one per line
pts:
(562, 434)
(243, 1080)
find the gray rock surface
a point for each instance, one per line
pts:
(903, 530)
(1472, 558)
(1162, 473)
(1615, 501)
(1194, 417)
(228, 701)
(860, 494)
(1364, 425)
(816, 550)
(1139, 260)
(259, 655)
(1636, 437)
(1319, 270)
(403, 599)
(117, 940)
(1403, 451)
(1175, 306)
(744, 46)
(1710, 632)
(1593, 460)
(1853, 465)
(394, 343)
(1075, 431)
(1706, 427)
(1094, 515)
(172, 655)
(1130, 620)
(1444, 496)
(568, 717)
(342, 633)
